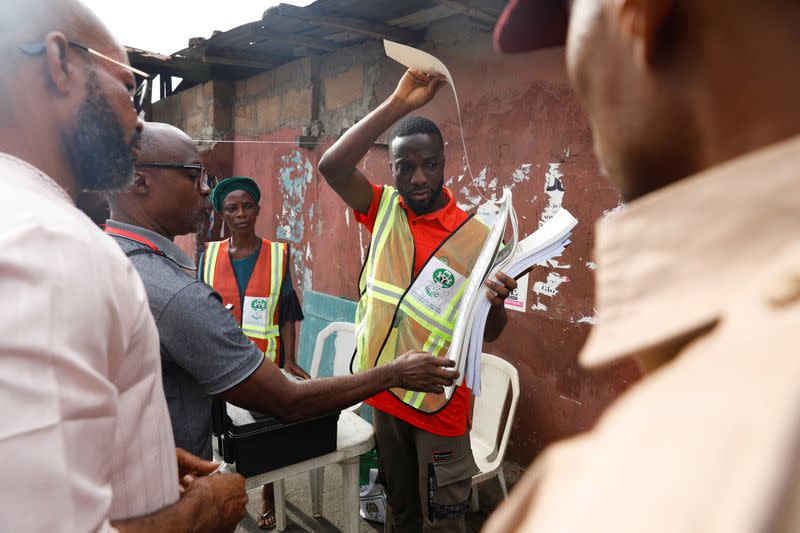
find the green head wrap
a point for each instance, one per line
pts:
(236, 183)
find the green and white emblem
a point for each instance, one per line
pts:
(437, 285)
(444, 278)
(254, 312)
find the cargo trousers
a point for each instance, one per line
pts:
(427, 477)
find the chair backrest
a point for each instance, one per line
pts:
(497, 377)
(344, 344)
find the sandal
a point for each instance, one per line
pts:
(266, 520)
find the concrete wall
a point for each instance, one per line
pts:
(523, 129)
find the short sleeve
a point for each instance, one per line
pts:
(287, 287)
(289, 309)
(368, 219)
(203, 338)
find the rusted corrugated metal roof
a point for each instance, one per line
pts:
(287, 32)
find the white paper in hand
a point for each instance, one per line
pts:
(410, 57)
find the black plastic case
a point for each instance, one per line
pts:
(258, 443)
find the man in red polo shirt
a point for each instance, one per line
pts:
(423, 248)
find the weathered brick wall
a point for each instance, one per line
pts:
(272, 100)
(202, 111)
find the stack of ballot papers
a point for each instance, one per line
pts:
(513, 259)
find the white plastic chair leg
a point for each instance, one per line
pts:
(280, 506)
(317, 480)
(474, 503)
(350, 495)
(501, 477)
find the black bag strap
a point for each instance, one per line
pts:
(220, 424)
(220, 421)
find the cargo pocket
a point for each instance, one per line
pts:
(450, 487)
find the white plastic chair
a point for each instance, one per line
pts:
(344, 344)
(488, 443)
(343, 347)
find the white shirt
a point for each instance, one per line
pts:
(85, 435)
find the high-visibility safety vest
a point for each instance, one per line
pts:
(397, 311)
(258, 316)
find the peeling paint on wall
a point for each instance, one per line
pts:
(584, 319)
(553, 263)
(548, 289)
(490, 190)
(617, 209)
(523, 173)
(472, 195)
(294, 176)
(296, 173)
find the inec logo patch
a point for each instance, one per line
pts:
(443, 278)
(254, 312)
(437, 286)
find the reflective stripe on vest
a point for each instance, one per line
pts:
(259, 318)
(397, 312)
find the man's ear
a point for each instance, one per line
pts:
(643, 22)
(55, 49)
(140, 184)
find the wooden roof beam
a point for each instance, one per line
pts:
(236, 62)
(471, 12)
(368, 28)
(266, 35)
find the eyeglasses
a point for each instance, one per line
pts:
(138, 98)
(202, 178)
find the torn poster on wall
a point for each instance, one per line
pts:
(518, 298)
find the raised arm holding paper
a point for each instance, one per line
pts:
(422, 252)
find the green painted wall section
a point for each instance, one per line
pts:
(321, 309)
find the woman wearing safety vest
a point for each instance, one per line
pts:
(253, 277)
